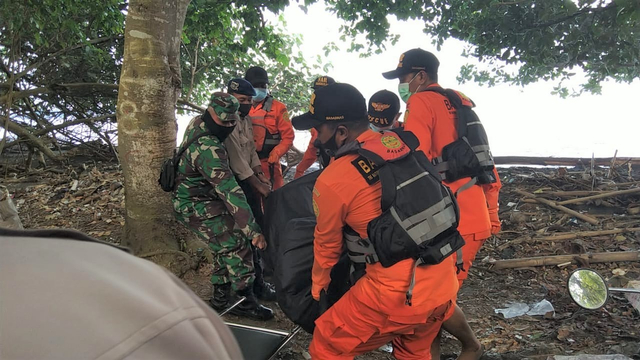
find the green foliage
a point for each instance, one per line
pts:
(518, 42)
(225, 52)
(47, 43)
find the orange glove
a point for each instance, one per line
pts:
(495, 222)
(273, 158)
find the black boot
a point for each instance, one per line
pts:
(250, 307)
(220, 297)
(264, 290)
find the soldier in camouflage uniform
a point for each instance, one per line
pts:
(209, 201)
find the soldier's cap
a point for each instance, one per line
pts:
(240, 86)
(383, 108)
(321, 81)
(412, 61)
(225, 106)
(256, 75)
(337, 102)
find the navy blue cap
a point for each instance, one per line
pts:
(338, 103)
(240, 86)
(383, 108)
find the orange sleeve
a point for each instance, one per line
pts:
(491, 193)
(418, 119)
(331, 211)
(309, 157)
(285, 129)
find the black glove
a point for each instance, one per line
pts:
(323, 303)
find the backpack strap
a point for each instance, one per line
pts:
(268, 103)
(457, 102)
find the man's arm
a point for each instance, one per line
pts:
(310, 156)
(286, 135)
(212, 162)
(239, 165)
(418, 119)
(492, 192)
(330, 211)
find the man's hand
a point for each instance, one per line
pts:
(273, 158)
(259, 242)
(496, 225)
(259, 186)
(262, 188)
(263, 179)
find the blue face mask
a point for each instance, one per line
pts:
(260, 94)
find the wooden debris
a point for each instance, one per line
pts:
(561, 259)
(574, 235)
(552, 204)
(601, 196)
(559, 161)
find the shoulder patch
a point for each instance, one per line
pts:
(285, 116)
(316, 211)
(367, 169)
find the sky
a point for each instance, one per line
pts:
(524, 121)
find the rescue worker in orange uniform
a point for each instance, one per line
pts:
(311, 154)
(272, 130)
(431, 118)
(373, 311)
(384, 111)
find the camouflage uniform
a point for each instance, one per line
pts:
(209, 201)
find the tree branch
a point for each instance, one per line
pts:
(22, 132)
(64, 125)
(60, 52)
(83, 88)
(191, 105)
(587, 10)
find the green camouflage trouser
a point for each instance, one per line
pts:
(232, 256)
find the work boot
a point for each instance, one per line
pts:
(220, 297)
(264, 290)
(250, 307)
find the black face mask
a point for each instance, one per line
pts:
(221, 132)
(327, 150)
(244, 110)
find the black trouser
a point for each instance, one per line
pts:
(255, 203)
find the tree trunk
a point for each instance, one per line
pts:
(149, 89)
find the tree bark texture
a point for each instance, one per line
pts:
(147, 95)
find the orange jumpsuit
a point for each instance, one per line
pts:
(310, 156)
(373, 311)
(266, 124)
(432, 120)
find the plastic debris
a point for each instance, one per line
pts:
(514, 310)
(518, 309)
(541, 308)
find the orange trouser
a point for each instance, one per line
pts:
(469, 251)
(276, 169)
(350, 328)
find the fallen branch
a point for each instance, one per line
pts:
(22, 132)
(559, 161)
(600, 196)
(574, 235)
(65, 124)
(561, 259)
(552, 204)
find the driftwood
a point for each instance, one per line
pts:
(577, 234)
(562, 259)
(552, 204)
(560, 161)
(600, 196)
